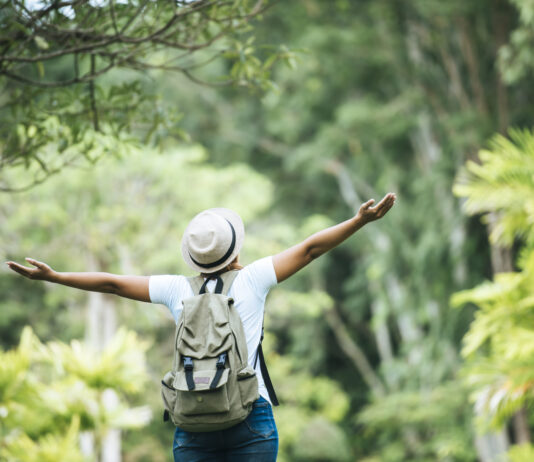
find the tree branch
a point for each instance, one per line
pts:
(451, 67)
(113, 19)
(207, 84)
(354, 352)
(471, 60)
(92, 95)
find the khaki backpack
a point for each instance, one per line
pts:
(211, 386)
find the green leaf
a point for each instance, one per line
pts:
(41, 43)
(40, 68)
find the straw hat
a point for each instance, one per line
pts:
(212, 240)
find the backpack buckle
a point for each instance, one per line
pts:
(221, 361)
(188, 363)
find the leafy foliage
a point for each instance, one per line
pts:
(432, 422)
(383, 95)
(108, 213)
(516, 59)
(503, 183)
(387, 96)
(500, 341)
(72, 74)
(45, 402)
(521, 453)
(311, 405)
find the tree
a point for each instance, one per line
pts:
(500, 340)
(63, 96)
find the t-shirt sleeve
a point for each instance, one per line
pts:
(261, 275)
(161, 288)
(169, 290)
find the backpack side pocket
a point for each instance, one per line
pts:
(248, 386)
(168, 392)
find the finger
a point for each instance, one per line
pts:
(13, 265)
(369, 203)
(35, 263)
(389, 198)
(19, 268)
(384, 206)
(387, 205)
(384, 201)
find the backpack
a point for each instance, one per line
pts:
(211, 386)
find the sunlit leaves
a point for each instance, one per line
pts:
(499, 346)
(51, 447)
(49, 392)
(521, 453)
(503, 183)
(121, 365)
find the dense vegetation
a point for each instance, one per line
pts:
(410, 342)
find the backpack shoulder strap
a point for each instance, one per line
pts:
(228, 279)
(265, 374)
(196, 283)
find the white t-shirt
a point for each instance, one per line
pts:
(249, 290)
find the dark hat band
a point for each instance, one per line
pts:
(223, 258)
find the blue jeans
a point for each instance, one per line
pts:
(253, 440)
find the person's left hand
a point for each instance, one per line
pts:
(369, 213)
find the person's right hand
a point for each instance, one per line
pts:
(368, 213)
(41, 271)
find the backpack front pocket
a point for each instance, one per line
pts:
(202, 399)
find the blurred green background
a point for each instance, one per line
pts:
(120, 120)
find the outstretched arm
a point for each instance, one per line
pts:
(134, 287)
(290, 261)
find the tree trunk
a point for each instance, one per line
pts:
(501, 257)
(111, 444)
(492, 447)
(383, 341)
(521, 428)
(101, 326)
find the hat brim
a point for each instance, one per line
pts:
(239, 228)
